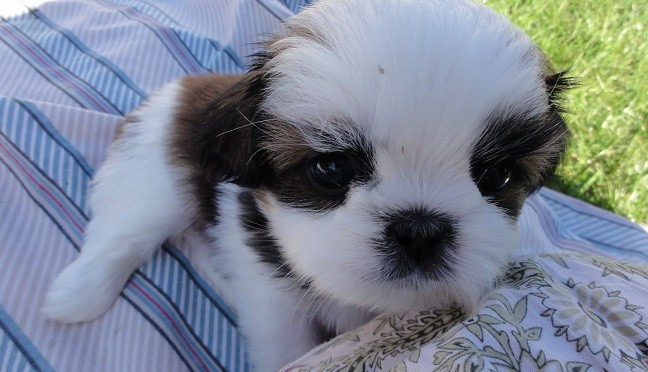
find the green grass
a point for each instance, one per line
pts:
(605, 45)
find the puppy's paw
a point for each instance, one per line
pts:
(85, 290)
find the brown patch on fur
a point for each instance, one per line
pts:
(300, 30)
(285, 147)
(198, 92)
(260, 195)
(119, 130)
(282, 41)
(129, 119)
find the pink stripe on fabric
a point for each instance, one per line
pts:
(166, 315)
(147, 20)
(59, 204)
(179, 51)
(54, 70)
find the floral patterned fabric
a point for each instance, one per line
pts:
(548, 312)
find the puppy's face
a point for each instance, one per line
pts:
(389, 146)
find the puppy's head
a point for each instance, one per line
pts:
(389, 146)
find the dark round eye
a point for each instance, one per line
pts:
(494, 179)
(331, 171)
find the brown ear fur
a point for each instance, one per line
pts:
(215, 136)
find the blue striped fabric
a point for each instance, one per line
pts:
(34, 137)
(209, 54)
(17, 353)
(553, 222)
(72, 69)
(52, 180)
(606, 231)
(55, 62)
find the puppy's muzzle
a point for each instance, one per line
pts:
(417, 241)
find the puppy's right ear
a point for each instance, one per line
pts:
(230, 133)
(220, 132)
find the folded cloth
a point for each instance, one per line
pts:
(549, 312)
(72, 69)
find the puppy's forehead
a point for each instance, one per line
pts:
(402, 72)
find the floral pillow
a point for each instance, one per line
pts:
(551, 312)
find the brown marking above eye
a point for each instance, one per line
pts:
(285, 147)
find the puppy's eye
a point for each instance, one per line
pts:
(331, 171)
(494, 179)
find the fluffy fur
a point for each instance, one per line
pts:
(373, 159)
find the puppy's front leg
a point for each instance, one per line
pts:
(137, 201)
(276, 328)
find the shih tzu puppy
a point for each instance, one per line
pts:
(374, 159)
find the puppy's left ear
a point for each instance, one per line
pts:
(557, 84)
(231, 128)
(557, 131)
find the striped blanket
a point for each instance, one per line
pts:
(72, 69)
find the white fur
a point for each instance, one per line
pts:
(276, 312)
(418, 79)
(135, 207)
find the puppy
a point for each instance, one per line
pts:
(374, 159)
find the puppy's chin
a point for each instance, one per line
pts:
(336, 254)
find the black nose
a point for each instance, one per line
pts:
(422, 235)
